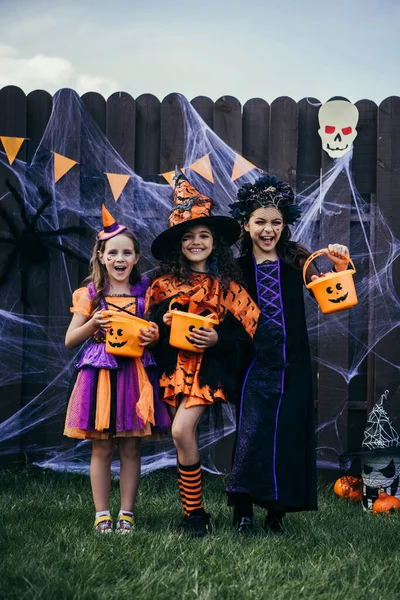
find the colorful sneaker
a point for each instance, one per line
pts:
(197, 524)
(125, 524)
(103, 524)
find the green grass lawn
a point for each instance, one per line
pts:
(49, 550)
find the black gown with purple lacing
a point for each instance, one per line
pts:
(274, 460)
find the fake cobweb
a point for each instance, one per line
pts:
(34, 363)
(379, 432)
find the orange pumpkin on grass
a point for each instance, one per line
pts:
(349, 487)
(385, 504)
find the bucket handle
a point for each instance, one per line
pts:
(212, 315)
(313, 256)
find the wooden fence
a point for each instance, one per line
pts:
(281, 138)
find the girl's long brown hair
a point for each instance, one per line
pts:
(98, 274)
(220, 263)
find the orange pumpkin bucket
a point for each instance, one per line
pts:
(333, 291)
(182, 325)
(122, 336)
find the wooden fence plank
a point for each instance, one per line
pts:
(255, 132)
(388, 194)
(205, 108)
(172, 142)
(308, 144)
(362, 387)
(12, 123)
(283, 140)
(228, 122)
(120, 126)
(147, 140)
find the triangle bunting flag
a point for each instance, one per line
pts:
(11, 146)
(241, 166)
(202, 166)
(117, 183)
(62, 165)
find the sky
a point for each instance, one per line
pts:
(246, 48)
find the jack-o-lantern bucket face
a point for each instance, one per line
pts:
(183, 324)
(333, 291)
(122, 336)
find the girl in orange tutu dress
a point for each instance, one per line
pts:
(197, 274)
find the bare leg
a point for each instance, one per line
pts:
(184, 428)
(100, 472)
(129, 452)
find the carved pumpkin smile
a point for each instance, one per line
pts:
(338, 299)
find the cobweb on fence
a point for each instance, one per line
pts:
(34, 363)
(379, 432)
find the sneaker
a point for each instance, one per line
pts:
(197, 524)
(103, 524)
(245, 526)
(125, 524)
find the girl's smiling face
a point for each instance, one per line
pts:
(119, 258)
(197, 245)
(265, 227)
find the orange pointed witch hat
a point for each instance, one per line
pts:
(111, 227)
(191, 208)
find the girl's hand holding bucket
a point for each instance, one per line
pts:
(149, 335)
(100, 321)
(203, 338)
(339, 255)
(167, 318)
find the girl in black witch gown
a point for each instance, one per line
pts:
(274, 460)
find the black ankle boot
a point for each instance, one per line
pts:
(273, 522)
(197, 524)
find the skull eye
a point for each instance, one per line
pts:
(111, 331)
(389, 471)
(329, 290)
(338, 286)
(329, 129)
(347, 130)
(119, 332)
(367, 469)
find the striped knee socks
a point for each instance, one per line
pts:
(190, 487)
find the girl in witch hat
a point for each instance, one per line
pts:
(274, 460)
(115, 399)
(198, 273)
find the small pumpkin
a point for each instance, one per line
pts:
(385, 504)
(349, 487)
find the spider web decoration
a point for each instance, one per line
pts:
(379, 431)
(30, 245)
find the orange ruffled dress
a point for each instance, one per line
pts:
(203, 295)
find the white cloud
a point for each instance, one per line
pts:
(48, 72)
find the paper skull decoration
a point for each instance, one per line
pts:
(337, 121)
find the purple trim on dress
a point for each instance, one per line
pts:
(95, 355)
(282, 380)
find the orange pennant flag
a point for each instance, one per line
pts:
(62, 165)
(11, 146)
(241, 167)
(117, 183)
(202, 166)
(168, 176)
